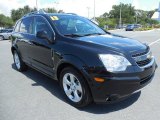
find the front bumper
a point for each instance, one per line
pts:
(121, 85)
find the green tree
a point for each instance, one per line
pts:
(50, 10)
(18, 13)
(103, 20)
(129, 15)
(127, 10)
(5, 21)
(144, 17)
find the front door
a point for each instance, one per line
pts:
(40, 50)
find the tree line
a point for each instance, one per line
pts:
(5, 21)
(16, 14)
(129, 15)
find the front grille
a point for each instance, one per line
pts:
(143, 59)
(143, 63)
(140, 54)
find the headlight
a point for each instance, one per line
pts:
(114, 63)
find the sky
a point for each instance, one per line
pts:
(80, 7)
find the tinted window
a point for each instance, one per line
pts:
(41, 24)
(17, 26)
(67, 24)
(26, 25)
(9, 31)
(130, 25)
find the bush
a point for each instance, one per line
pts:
(144, 29)
(156, 26)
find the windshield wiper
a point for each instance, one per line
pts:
(93, 34)
(73, 35)
(77, 35)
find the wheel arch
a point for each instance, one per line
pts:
(77, 64)
(64, 65)
(13, 49)
(69, 61)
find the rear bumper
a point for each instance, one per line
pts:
(129, 29)
(122, 85)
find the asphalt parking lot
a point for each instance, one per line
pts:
(33, 96)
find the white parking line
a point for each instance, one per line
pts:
(154, 42)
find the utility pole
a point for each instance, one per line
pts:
(136, 18)
(120, 16)
(37, 5)
(137, 14)
(94, 10)
(57, 3)
(159, 12)
(88, 8)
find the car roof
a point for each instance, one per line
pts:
(43, 13)
(59, 14)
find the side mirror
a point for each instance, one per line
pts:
(44, 35)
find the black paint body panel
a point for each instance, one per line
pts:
(82, 53)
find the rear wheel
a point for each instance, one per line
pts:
(20, 65)
(75, 87)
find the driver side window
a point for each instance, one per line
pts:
(40, 24)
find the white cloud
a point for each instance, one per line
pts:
(80, 6)
(136, 4)
(70, 6)
(145, 6)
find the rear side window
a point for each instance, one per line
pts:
(27, 25)
(9, 31)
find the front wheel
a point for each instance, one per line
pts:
(75, 87)
(20, 65)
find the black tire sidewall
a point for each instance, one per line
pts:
(86, 96)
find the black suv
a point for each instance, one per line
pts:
(89, 63)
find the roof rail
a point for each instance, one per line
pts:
(71, 13)
(41, 11)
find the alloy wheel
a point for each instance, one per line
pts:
(17, 60)
(72, 87)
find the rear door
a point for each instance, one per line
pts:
(25, 36)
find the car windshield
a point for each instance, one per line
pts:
(75, 26)
(130, 25)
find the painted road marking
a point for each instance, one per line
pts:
(154, 42)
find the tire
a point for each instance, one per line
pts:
(75, 87)
(1, 37)
(20, 65)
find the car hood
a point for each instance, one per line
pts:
(116, 42)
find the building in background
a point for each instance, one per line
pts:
(156, 15)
